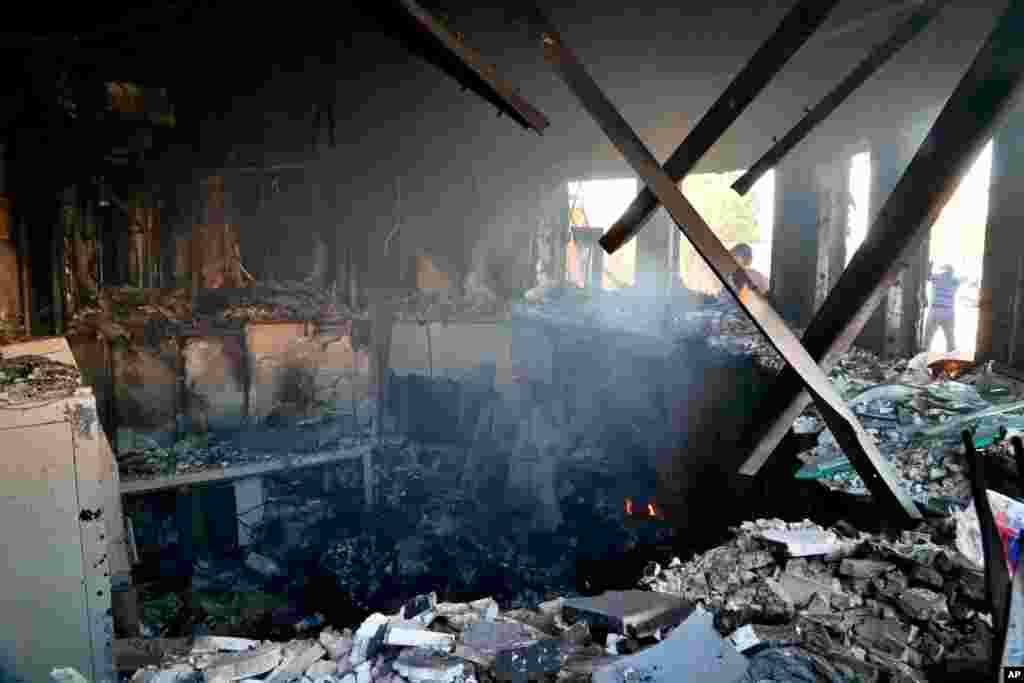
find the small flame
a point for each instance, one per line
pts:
(651, 510)
(629, 506)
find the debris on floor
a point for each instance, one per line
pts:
(32, 379)
(875, 607)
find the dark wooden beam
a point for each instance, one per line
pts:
(957, 137)
(796, 28)
(878, 56)
(876, 472)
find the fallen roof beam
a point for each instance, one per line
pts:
(427, 37)
(878, 56)
(877, 473)
(966, 123)
(794, 30)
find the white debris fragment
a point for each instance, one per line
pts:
(295, 665)
(412, 634)
(67, 675)
(337, 645)
(207, 644)
(368, 638)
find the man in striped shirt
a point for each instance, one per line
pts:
(942, 312)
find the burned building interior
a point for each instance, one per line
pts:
(422, 341)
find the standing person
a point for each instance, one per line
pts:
(744, 255)
(942, 313)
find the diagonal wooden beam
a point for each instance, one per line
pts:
(970, 116)
(875, 60)
(795, 29)
(877, 474)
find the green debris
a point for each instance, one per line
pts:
(232, 609)
(158, 611)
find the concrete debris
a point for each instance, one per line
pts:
(418, 606)
(412, 634)
(694, 651)
(295, 665)
(803, 542)
(207, 644)
(633, 613)
(893, 608)
(369, 639)
(235, 667)
(338, 645)
(323, 668)
(421, 667)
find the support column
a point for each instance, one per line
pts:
(808, 239)
(250, 501)
(834, 207)
(654, 254)
(891, 331)
(1000, 304)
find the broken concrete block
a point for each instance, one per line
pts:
(885, 635)
(694, 652)
(324, 667)
(864, 569)
(154, 675)
(634, 613)
(611, 643)
(803, 542)
(369, 639)
(800, 590)
(424, 667)
(924, 605)
(336, 644)
(460, 614)
(927, 577)
(551, 607)
(412, 634)
(294, 666)
(528, 662)
(206, 644)
(546, 623)
(487, 608)
(752, 637)
(489, 638)
(249, 664)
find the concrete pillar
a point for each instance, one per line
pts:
(1000, 307)
(654, 251)
(808, 253)
(250, 504)
(893, 329)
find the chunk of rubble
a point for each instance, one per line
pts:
(752, 637)
(413, 634)
(426, 667)
(864, 569)
(634, 613)
(803, 542)
(369, 638)
(338, 645)
(208, 644)
(694, 651)
(922, 604)
(418, 606)
(234, 667)
(296, 662)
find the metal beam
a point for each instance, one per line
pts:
(967, 121)
(877, 474)
(794, 30)
(878, 56)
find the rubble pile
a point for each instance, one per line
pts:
(31, 379)
(428, 641)
(852, 603)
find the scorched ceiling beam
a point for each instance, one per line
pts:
(428, 38)
(876, 472)
(967, 122)
(795, 29)
(878, 56)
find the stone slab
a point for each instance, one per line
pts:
(634, 613)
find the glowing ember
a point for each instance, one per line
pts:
(629, 506)
(651, 511)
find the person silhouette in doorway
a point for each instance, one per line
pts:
(942, 313)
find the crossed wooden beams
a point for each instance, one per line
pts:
(967, 120)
